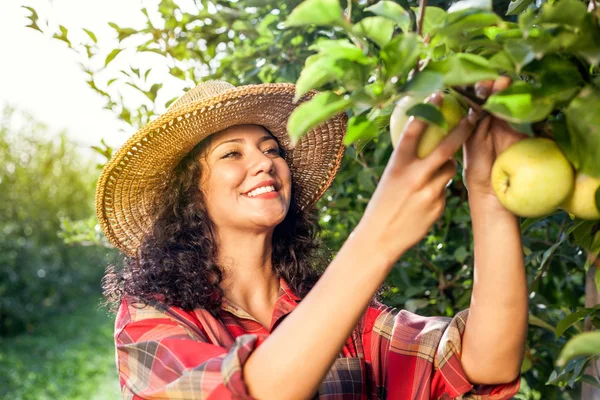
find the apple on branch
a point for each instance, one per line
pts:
(582, 201)
(532, 177)
(451, 109)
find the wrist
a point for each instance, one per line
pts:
(366, 239)
(484, 206)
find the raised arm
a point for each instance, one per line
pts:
(495, 334)
(409, 199)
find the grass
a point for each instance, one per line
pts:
(68, 357)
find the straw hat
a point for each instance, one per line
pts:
(138, 171)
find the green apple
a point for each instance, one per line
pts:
(532, 177)
(451, 109)
(582, 201)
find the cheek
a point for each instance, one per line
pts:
(225, 180)
(283, 170)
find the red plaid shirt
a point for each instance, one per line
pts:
(168, 353)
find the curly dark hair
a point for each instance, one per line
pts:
(177, 262)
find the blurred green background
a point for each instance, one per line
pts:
(55, 338)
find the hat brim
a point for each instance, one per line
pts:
(138, 171)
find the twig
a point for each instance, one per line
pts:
(349, 8)
(427, 263)
(474, 102)
(422, 5)
(548, 260)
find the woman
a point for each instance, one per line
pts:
(219, 297)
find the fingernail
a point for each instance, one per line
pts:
(482, 92)
(473, 116)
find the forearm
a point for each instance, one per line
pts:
(295, 358)
(496, 329)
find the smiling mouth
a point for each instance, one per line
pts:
(262, 192)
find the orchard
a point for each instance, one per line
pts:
(379, 61)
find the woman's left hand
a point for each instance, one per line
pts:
(492, 136)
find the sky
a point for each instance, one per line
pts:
(41, 75)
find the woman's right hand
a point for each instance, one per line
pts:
(410, 196)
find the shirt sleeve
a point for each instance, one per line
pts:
(161, 358)
(415, 357)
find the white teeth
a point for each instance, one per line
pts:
(261, 190)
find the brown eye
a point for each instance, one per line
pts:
(231, 154)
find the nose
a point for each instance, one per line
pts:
(262, 163)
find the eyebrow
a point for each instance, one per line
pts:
(242, 140)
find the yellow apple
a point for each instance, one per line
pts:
(582, 201)
(532, 177)
(451, 109)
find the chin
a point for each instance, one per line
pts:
(270, 220)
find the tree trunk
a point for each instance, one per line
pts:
(592, 297)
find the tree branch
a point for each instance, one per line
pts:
(422, 5)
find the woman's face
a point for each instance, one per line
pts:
(236, 161)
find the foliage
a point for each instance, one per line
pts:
(68, 357)
(43, 181)
(364, 57)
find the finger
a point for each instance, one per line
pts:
(481, 131)
(500, 84)
(476, 140)
(484, 88)
(444, 175)
(409, 142)
(450, 144)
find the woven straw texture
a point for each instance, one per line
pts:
(138, 171)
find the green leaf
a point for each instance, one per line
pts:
(317, 12)
(341, 49)
(463, 69)
(318, 71)
(540, 323)
(360, 128)
(502, 61)
(63, 35)
(597, 197)
(556, 77)
(313, 112)
(378, 29)
(428, 113)
(151, 94)
(434, 19)
(461, 254)
(424, 83)
(519, 103)
(112, 56)
(401, 55)
(33, 18)
(561, 135)
(529, 222)
(569, 320)
(462, 22)
(518, 6)
(583, 344)
(392, 11)
(564, 12)
(520, 53)
(583, 123)
(91, 35)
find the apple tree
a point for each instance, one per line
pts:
(365, 57)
